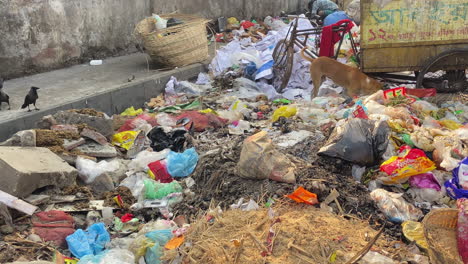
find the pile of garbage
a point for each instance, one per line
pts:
(226, 169)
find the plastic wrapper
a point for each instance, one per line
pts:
(89, 242)
(375, 108)
(359, 141)
(90, 170)
(284, 111)
(312, 115)
(409, 162)
(457, 186)
(182, 164)
(394, 206)
(301, 195)
(125, 139)
(462, 227)
(140, 245)
(156, 190)
(114, 256)
(260, 160)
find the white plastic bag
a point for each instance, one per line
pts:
(394, 206)
(141, 161)
(161, 23)
(89, 170)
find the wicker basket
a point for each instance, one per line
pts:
(440, 230)
(178, 45)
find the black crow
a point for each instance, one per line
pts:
(4, 98)
(31, 98)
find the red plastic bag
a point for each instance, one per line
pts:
(133, 123)
(421, 93)
(53, 226)
(158, 172)
(126, 217)
(410, 162)
(301, 195)
(202, 121)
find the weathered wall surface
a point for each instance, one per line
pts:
(41, 34)
(237, 8)
(38, 35)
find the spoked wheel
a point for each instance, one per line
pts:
(283, 55)
(446, 81)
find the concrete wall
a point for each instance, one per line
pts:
(39, 35)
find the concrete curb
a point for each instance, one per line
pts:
(112, 101)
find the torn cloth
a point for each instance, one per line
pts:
(330, 38)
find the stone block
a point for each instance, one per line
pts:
(71, 144)
(93, 149)
(103, 183)
(68, 128)
(23, 170)
(96, 136)
(101, 124)
(25, 138)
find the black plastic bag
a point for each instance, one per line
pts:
(359, 141)
(161, 140)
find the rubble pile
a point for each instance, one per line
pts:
(228, 170)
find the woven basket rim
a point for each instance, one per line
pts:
(193, 21)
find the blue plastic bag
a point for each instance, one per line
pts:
(182, 164)
(453, 187)
(89, 242)
(78, 244)
(160, 238)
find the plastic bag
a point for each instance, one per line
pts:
(182, 164)
(156, 190)
(413, 231)
(125, 139)
(285, 111)
(260, 160)
(158, 171)
(165, 119)
(141, 161)
(359, 141)
(160, 238)
(160, 139)
(409, 162)
(394, 206)
(301, 195)
(131, 112)
(90, 170)
(138, 123)
(114, 256)
(91, 242)
(457, 187)
(202, 122)
(161, 23)
(425, 180)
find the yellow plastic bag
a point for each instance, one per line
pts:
(450, 124)
(286, 111)
(125, 139)
(208, 111)
(132, 112)
(233, 21)
(413, 231)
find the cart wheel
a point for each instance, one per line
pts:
(445, 81)
(283, 55)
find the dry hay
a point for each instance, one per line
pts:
(319, 233)
(87, 111)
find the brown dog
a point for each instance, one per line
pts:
(352, 79)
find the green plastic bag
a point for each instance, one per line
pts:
(156, 190)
